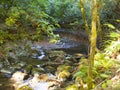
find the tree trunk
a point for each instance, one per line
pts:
(84, 17)
(93, 38)
(99, 29)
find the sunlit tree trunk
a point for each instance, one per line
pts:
(99, 29)
(84, 17)
(93, 38)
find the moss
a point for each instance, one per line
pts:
(72, 87)
(25, 88)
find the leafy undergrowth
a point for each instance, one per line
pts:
(106, 67)
(23, 34)
(6, 36)
(110, 62)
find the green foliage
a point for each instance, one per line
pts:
(4, 5)
(82, 73)
(106, 84)
(114, 45)
(107, 8)
(26, 13)
(102, 61)
(102, 66)
(67, 11)
(72, 87)
(103, 69)
(25, 88)
(5, 36)
(114, 34)
(2, 38)
(64, 10)
(14, 15)
(82, 70)
(110, 26)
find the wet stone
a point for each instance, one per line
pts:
(1, 65)
(50, 69)
(7, 70)
(55, 53)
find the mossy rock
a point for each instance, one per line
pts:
(63, 67)
(25, 88)
(55, 53)
(72, 87)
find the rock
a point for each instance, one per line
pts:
(62, 76)
(37, 70)
(68, 62)
(16, 67)
(55, 53)
(17, 79)
(1, 65)
(18, 76)
(22, 64)
(46, 86)
(38, 47)
(7, 70)
(79, 55)
(68, 57)
(19, 65)
(41, 86)
(41, 57)
(34, 53)
(37, 52)
(12, 55)
(71, 58)
(63, 67)
(39, 82)
(50, 69)
(63, 72)
(34, 80)
(59, 60)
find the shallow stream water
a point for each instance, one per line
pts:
(70, 46)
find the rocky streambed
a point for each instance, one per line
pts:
(28, 65)
(37, 69)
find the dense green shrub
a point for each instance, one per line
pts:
(28, 13)
(64, 10)
(107, 9)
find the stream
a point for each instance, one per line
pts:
(43, 59)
